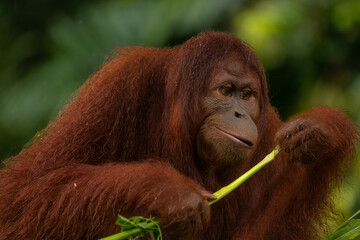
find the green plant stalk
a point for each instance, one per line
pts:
(219, 194)
(229, 188)
(348, 230)
(352, 217)
(127, 234)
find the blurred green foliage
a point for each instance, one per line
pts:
(310, 50)
(47, 52)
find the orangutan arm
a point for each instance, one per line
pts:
(315, 147)
(52, 206)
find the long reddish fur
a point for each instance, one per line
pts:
(130, 134)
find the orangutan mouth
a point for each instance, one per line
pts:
(244, 142)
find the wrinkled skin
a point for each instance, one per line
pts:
(230, 108)
(300, 137)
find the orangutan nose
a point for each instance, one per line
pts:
(238, 115)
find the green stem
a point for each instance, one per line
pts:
(354, 215)
(127, 234)
(219, 194)
(229, 188)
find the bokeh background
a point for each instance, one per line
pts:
(48, 48)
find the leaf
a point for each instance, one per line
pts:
(146, 225)
(348, 230)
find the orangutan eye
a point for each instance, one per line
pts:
(226, 90)
(246, 93)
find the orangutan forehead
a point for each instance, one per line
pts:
(236, 66)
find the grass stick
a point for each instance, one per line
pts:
(229, 188)
(127, 234)
(219, 195)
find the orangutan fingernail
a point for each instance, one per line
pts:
(208, 195)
